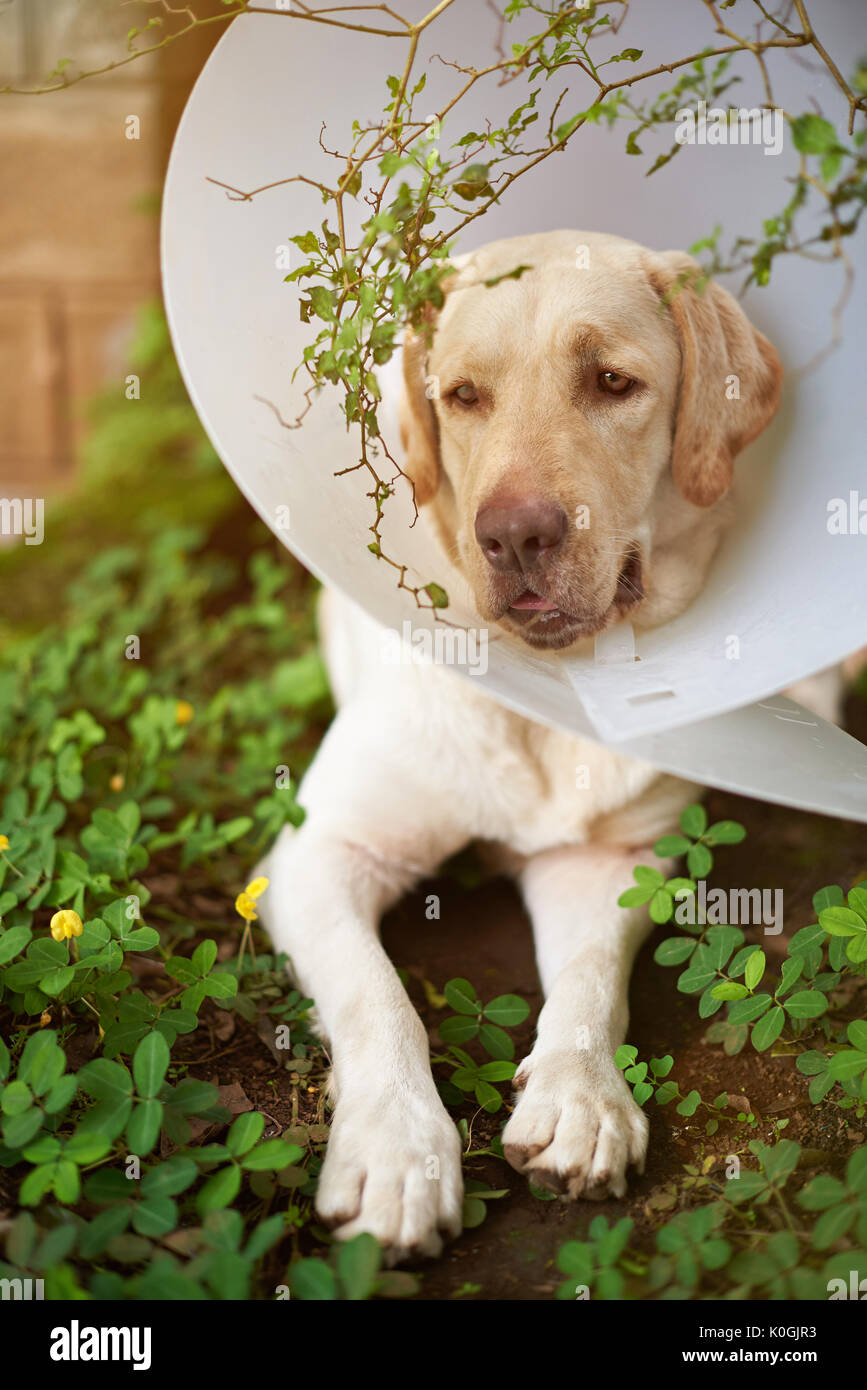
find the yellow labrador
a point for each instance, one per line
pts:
(602, 381)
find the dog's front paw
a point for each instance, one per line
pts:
(393, 1169)
(575, 1128)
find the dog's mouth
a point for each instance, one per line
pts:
(545, 622)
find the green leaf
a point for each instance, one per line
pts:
(358, 1263)
(36, 1184)
(143, 1129)
(169, 1178)
(857, 949)
(696, 978)
(725, 832)
(66, 1181)
(719, 944)
(780, 1160)
(462, 997)
(857, 1034)
(507, 1010)
(313, 1281)
(693, 821)
(812, 1063)
(690, 1104)
(105, 1080)
(666, 1092)
(271, 1156)
(846, 1064)
(824, 1191)
(792, 969)
(661, 906)
(674, 950)
(220, 986)
(755, 969)
(729, 989)
(831, 896)
(60, 1095)
(749, 1187)
(635, 897)
(56, 981)
(807, 1003)
(497, 1071)
(858, 900)
(155, 1217)
(806, 940)
(486, 1095)
(204, 956)
(841, 921)
(87, 1148)
(648, 877)
(752, 1267)
(458, 1029)
(13, 942)
(18, 1130)
(856, 1171)
(437, 595)
(671, 846)
(699, 861)
(768, 1029)
(150, 1063)
(496, 1043)
(246, 1131)
(576, 1259)
(813, 134)
(832, 1224)
(220, 1189)
(747, 1010)
(98, 1232)
(661, 1066)
(16, 1098)
(265, 1235)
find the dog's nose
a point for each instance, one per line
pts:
(516, 535)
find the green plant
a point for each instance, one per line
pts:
(486, 1023)
(649, 1080)
(592, 1264)
(131, 756)
(353, 1273)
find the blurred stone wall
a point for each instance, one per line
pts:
(83, 170)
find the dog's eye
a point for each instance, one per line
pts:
(466, 394)
(614, 383)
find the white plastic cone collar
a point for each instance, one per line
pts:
(789, 590)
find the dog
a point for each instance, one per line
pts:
(605, 385)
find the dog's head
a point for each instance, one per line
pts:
(575, 426)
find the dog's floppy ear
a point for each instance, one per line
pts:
(419, 432)
(730, 378)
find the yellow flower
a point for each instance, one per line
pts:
(116, 782)
(183, 712)
(65, 924)
(245, 903)
(4, 842)
(245, 906)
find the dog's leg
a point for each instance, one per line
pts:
(393, 1163)
(576, 1128)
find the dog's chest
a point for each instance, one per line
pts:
(550, 788)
